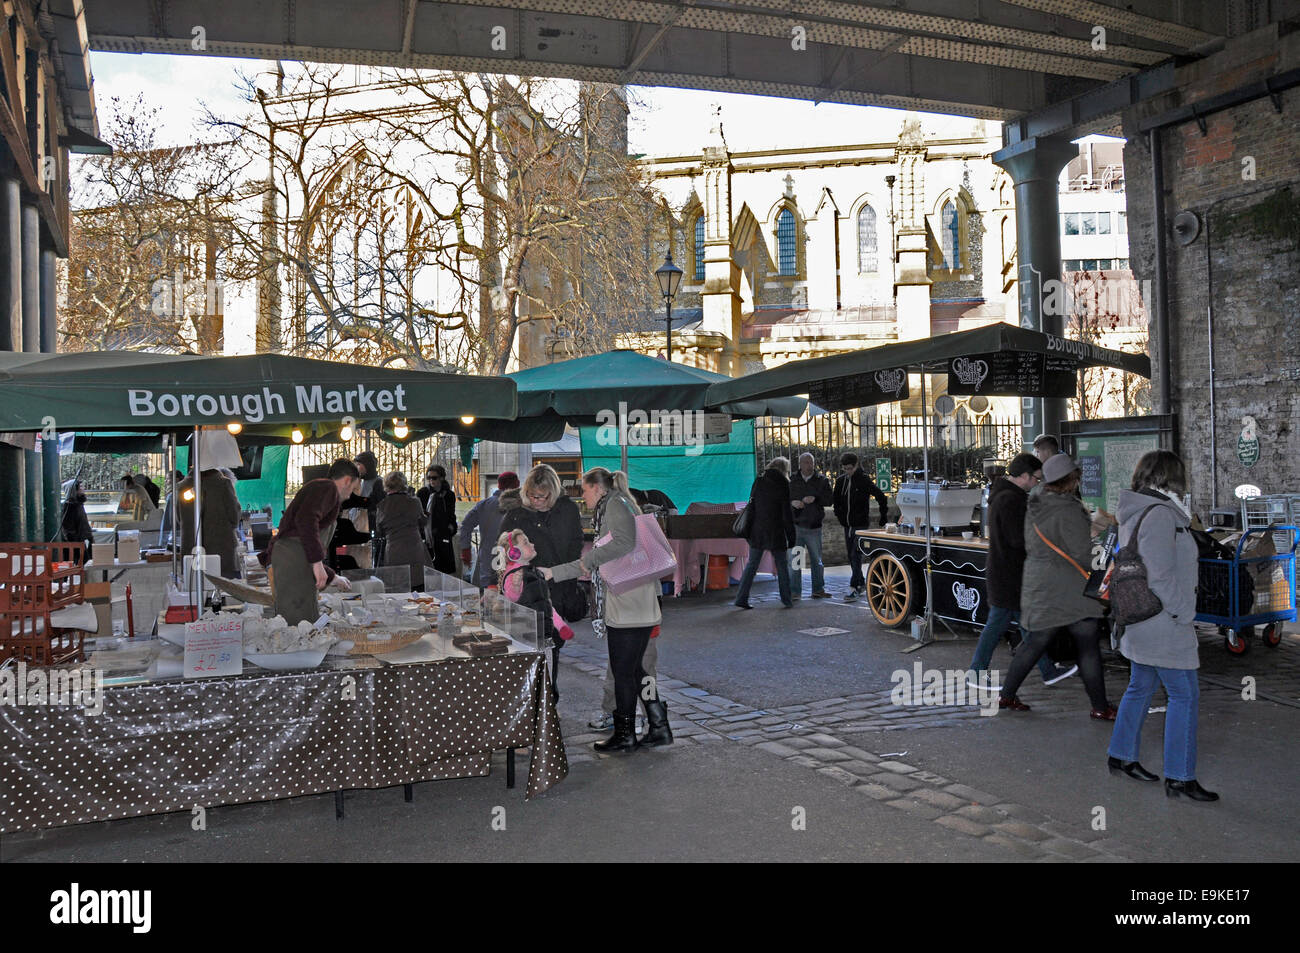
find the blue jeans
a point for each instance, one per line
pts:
(1184, 693)
(811, 541)
(999, 621)
(781, 557)
(855, 557)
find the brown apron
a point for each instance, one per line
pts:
(293, 585)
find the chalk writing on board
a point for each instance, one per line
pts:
(861, 390)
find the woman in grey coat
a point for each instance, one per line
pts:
(400, 522)
(626, 618)
(1162, 649)
(1058, 547)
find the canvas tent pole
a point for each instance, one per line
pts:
(175, 545)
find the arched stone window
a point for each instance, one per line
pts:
(867, 251)
(699, 247)
(787, 261)
(950, 236)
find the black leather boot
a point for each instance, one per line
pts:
(656, 716)
(1132, 769)
(624, 736)
(1189, 789)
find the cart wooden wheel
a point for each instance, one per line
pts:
(1235, 642)
(890, 590)
(1272, 635)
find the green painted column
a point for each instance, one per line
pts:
(31, 287)
(52, 504)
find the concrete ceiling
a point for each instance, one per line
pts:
(995, 59)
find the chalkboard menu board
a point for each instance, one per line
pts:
(1010, 373)
(861, 390)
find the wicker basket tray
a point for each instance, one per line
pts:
(398, 638)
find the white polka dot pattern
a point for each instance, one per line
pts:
(168, 746)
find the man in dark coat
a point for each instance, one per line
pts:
(810, 494)
(772, 530)
(1008, 499)
(220, 516)
(853, 493)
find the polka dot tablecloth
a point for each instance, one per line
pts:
(168, 746)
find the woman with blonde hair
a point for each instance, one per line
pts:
(625, 619)
(400, 523)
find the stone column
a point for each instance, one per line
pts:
(912, 273)
(721, 295)
(31, 285)
(1035, 166)
(12, 472)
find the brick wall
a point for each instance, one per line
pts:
(1251, 229)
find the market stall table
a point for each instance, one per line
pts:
(353, 723)
(893, 565)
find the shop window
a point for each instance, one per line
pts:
(867, 254)
(785, 248)
(699, 248)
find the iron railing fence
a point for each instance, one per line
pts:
(958, 449)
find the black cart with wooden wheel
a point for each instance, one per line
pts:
(894, 567)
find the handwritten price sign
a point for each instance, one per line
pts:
(214, 647)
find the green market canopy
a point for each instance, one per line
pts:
(997, 360)
(267, 393)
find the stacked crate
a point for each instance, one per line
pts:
(35, 580)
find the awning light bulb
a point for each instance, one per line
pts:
(296, 436)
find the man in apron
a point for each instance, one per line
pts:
(296, 555)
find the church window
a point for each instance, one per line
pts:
(867, 239)
(699, 248)
(785, 253)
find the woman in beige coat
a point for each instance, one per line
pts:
(626, 619)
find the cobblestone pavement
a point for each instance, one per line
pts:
(853, 739)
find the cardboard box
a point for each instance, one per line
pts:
(128, 546)
(101, 554)
(100, 595)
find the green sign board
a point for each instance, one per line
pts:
(884, 475)
(1108, 463)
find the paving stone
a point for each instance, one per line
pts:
(671, 683)
(929, 778)
(694, 692)
(1022, 813)
(827, 754)
(863, 769)
(898, 767)
(983, 814)
(776, 748)
(858, 754)
(1022, 830)
(963, 824)
(707, 736)
(747, 716)
(940, 800)
(804, 761)
(1015, 846)
(919, 808)
(798, 741)
(747, 739)
(877, 791)
(970, 794)
(824, 740)
(896, 781)
(827, 703)
(839, 774)
(773, 720)
(1081, 832)
(1069, 848)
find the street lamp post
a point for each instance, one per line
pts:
(670, 279)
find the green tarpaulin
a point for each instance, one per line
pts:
(720, 473)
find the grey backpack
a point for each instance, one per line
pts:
(1131, 598)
